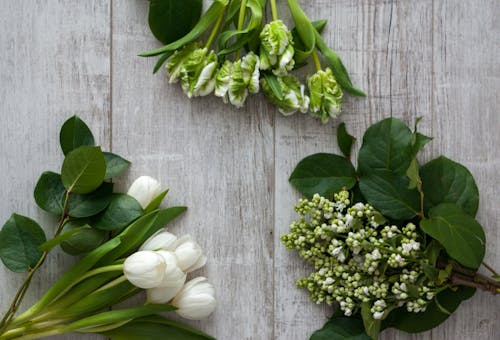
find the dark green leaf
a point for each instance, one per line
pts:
(460, 234)
(420, 141)
(50, 192)
(122, 211)
(324, 174)
(90, 204)
(163, 58)
(345, 140)
(19, 241)
(390, 195)
(83, 170)
(372, 326)
(82, 238)
(155, 203)
(386, 145)
(445, 181)
(52, 243)
(170, 20)
(75, 133)
(434, 315)
(341, 328)
(115, 165)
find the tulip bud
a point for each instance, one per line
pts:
(144, 190)
(196, 300)
(174, 64)
(161, 240)
(276, 50)
(172, 281)
(189, 254)
(294, 97)
(326, 95)
(145, 269)
(198, 72)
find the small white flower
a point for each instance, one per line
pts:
(161, 240)
(378, 315)
(196, 300)
(144, 269)
(144, 190)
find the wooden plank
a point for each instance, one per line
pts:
(54, 63)
(216, 159)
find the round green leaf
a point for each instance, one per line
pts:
(115, 165)
(19, 241)
(345, 140)
(83, 241)
(324, 174)
(122, 211)
(90, 204)
(341, 328)
(83, 169)
(460, 234)
(386, 145)
(445, 181)
(50, 192)
(389, 194)
(75, 133)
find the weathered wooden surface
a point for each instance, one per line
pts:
(432, 59)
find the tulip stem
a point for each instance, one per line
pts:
(274, 10)
(317, 62)
(113, 283)
(241, 21)
(215, 29)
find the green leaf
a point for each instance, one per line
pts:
(75, 133)
(304, 27)
(83, 169)
(274, 84)
(372, 326)
(65, 235)
(414, 176)
(163, 58)
(345, 140)
(386, 145)
(170, 20)
(448, 300)
(301, 54)
(155, 203)
(155, 327)
(390, 195)
(115, 165)
(19, 241)
(445, 181)
(341, 328)
(324, 174)
(459, 233)
(50, 192)
(90, 204)
(82, 238)
(122, 211)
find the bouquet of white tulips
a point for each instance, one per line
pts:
(142, 255)
(273, 52)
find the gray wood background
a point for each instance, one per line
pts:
(436, 59)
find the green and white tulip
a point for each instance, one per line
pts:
(276, 49)
(326, 95)
(294, 97)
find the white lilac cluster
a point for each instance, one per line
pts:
(358, 257)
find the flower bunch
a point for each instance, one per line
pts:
(273, 52)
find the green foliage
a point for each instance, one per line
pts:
(459, 233)
(304, 27)
(75, 133)
(341, 328)
(81, 238)
(301, 50)
(324, 174)
(155, 203)
(83, 170)
(50, 193)
(345, 140)
(19, 241)
(122, 210)
(372, 326)
(115, 165)
(90, 204)
(170, 20)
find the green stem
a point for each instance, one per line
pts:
(215, 29)
(274, 9)
(317, 62)
(241, 21)
(113, 283)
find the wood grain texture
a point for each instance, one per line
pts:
(432, 59)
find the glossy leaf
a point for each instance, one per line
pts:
(81, 238)
(345, 140)
(83, 170)
(390, 195)
(341, 328)
(445, 181)
(115, 165)
(75, 133)
(122, 211)
(324, 174)
(90, 204)
(460, 234)
(50, 193)
(170, 20)
(19, 241)
(386, 145)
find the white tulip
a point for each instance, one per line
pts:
(189, 254)
(144, 190)
(145, 269)
(196, 300)
(172, 282)
(161, 240)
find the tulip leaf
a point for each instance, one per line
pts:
(80, 238)
(274, 85)
(304, 27)
(83, 170)
(19, 241)
(460, 234)
(341, 328)
(345, 140)
(122, 211)
(49, 193)
(115, 165)
(65, 234)
(163, 58)
(75, 133)
(170, 20)
(323, 174)
(155, 203)
(90, 204)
